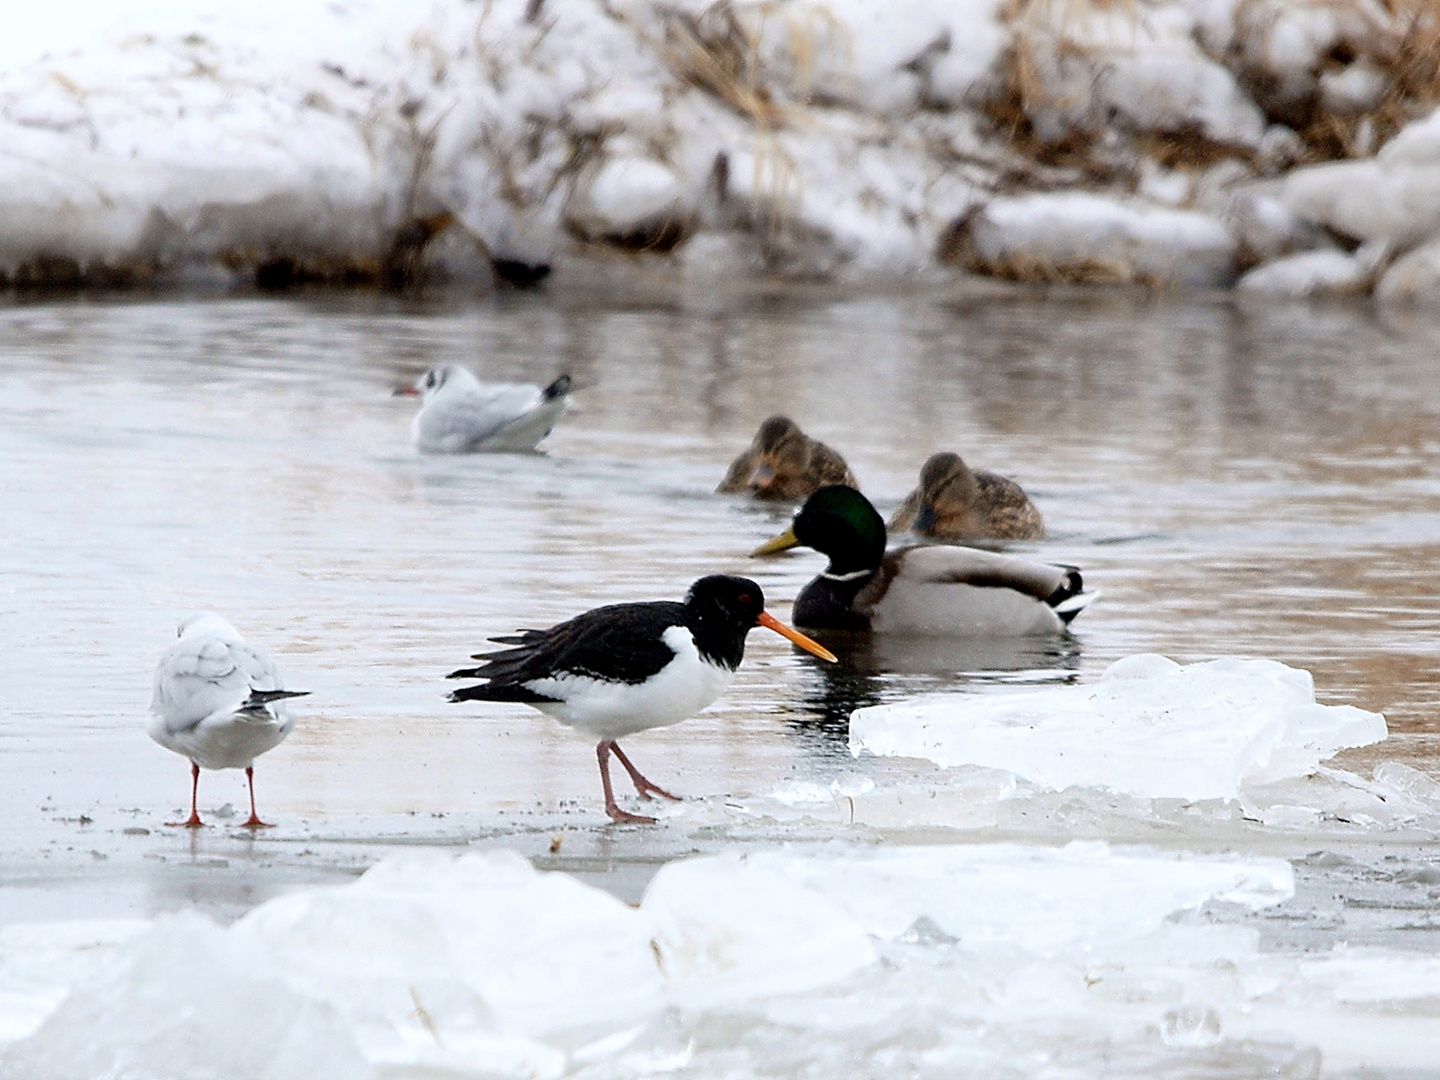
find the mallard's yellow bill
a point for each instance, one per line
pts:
(780, 543)
(769, 621)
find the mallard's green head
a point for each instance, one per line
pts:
(839, 522)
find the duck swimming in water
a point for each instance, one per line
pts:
(925, 590)
(783, 464)
(460, 415)
(955, 502)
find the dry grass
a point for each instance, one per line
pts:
(957, 248)
(718, 53)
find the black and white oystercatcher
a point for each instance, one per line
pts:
(623, 668)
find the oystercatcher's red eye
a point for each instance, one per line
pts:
(744, 598)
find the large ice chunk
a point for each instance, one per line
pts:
(1149, 727)
(442, 959)
(188, 999)
(730, 929)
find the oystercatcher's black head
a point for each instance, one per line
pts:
(840, 522)
(724, 608)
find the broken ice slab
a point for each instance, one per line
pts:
(1149, 727)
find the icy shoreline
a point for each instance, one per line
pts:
(1288, 147)
(819, 949)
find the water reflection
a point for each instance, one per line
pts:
(877, 668)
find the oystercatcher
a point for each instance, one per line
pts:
(783, 464)
(932, 589)
(623, 668)
(955, 502)
(459, 414)
(219, 701)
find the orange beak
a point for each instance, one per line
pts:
(769, 621)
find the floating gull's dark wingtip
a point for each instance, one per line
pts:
(559, 388)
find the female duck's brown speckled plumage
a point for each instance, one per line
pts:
(783, 464)
(954, 502)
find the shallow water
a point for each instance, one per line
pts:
(1236, 481)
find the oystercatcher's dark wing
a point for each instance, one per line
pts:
(618, 642)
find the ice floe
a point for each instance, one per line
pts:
(1037, 139)
(895, 961)
(1149, 727)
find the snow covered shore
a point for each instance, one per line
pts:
(1287, 145)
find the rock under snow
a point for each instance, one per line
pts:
(1149, 727)
(1095, 237)
(1415, 276)
(1310, 273)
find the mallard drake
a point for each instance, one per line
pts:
(783, 464)
(930, 589)
(955, 502)
(459, 414)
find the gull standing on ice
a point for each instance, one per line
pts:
(460, 415)
(623, 668)
(219, 701)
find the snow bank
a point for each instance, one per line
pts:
(1080, 236)
(360, 140)
(1311, 273)
(1149, 727)
(887, 961)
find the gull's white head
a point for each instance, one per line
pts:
(441, 376)
(207, 622)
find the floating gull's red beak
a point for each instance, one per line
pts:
(405, 391)
(769, 621)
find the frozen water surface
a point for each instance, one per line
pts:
(1242, 482)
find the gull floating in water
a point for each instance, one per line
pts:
(460, 415)
(219, 701)
(623, 668)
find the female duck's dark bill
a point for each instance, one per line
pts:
(769, 621)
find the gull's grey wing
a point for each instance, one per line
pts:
(206, 675)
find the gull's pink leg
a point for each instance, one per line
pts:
(602, 751)
(193, 821)
(254, 822)
(643, 786)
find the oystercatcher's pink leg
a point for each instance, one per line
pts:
(602, 751)
(193, 821)
(254, 822)
(643, 786)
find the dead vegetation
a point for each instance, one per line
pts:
(958, 248)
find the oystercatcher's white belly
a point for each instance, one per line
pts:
(612, 710)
